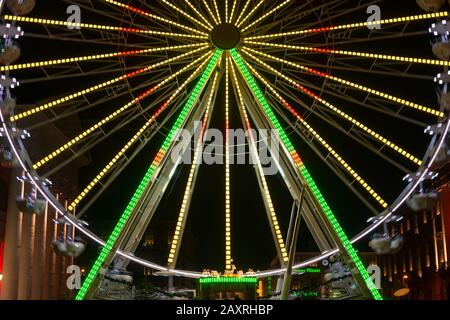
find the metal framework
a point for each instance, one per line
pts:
(285, 73)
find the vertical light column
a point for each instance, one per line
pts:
(182, 216)
(276, 230)
(228, 259)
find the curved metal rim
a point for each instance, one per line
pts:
(46, 193)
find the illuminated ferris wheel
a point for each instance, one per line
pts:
(142, 70)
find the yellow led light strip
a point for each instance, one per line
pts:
(217, 11)
(230, 20)
(226, 11)
(188, 191)
(100, 27)
(250, 13)
(198, 13)
(242, 12)
(39, 64)
(228, 259)
(191, 18)
(266, 15)
(252, 139)
(381, 94)
(99, 86)
(114, 115)
(353, 53)
(210, 12)
(353, 25)
(109, 166)
(324, 143)
(155, 17)
(342, 114)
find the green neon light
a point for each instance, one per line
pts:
(307, 176)
(222, 280)
(147, 178)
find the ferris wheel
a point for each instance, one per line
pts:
(136, 71)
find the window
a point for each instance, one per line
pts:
(149, 240)
(148, 272)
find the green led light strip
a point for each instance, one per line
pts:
(306, 175)
(221, 280)
(147, 178)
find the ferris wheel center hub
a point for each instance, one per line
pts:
(226, 36)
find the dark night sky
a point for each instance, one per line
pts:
(252, 241)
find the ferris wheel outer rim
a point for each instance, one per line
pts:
(48, 195)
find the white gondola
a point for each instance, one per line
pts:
(120, 276)
(431, 5)
(20, 7)
(69, 248)
(31, 205)
(442, 50)
(423, 201)
(384, 244)
(9, 53)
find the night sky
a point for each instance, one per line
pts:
(252, 243)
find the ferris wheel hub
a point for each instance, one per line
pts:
(226, 36)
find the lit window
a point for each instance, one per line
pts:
(148, 272)
(149, 240)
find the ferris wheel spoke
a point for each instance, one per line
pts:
(30, 65)
(343, 65)
(119, 18)
(228, 256)
(244, 9)
(343, 115)
(153, 16)
(99, 86)
(375, 195)
(133, 140)
(335, 10)
(185, 14)
(347, 83)
(330, 161)
(83, 104)
(116, 114)
(190, 186)
(216, 7)
(211, 13)
(137, 31)
(301, 11)
(354, 54)
(199, 14)
(273, 220)
(113, 39)
(226, 11)
(319, 111)
(147, 137)
(346, 27)
(250, 14)
(336, 39)
(267, 14)
(233, 10)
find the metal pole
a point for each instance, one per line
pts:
(291, 226)
(292, 249)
